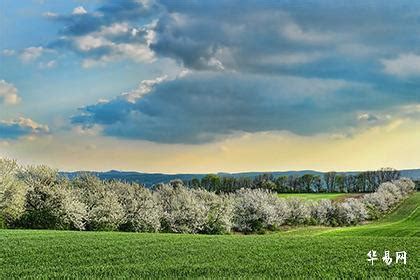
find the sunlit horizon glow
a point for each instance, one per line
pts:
(217, 86)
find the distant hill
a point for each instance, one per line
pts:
(149, 179)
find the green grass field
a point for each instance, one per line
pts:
(318, 196)
(314, 252)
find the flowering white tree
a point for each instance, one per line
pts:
(254, 210)
(12, 192)
(300, 211)
(387, 196)
(405, 185)
(44, 197)
(141, 210)
(323, 212)
(351, 211)
(104, 211)
(218, 211)
(282, 212)
(74, 212)
(182, 211)
(392, 192)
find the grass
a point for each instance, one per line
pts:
(404, 222)
(318, 196)
(313, 252)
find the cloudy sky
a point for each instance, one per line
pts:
(208, 86)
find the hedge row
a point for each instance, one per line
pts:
(38, 197)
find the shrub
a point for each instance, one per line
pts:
(387, 195)
(12, 203)
(142, 213)
(12, 193)
(282, 212)
(323, 212)
(254, 210)
(299, 211)
(44, 198)
(182, 212)
(104, 211)
(74, 211)
(217, 211)
(376, 204)
(351, 211)
(405, 185)
(392, 193)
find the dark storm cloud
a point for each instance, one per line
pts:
(202, 107)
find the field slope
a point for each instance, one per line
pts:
(403, 222)
(318, 196)
(309, 252)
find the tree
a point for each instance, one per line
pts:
(104, 211)
(281, 184)
(211, 182)
(330, 180)
(254, 210)
(142, 211)
(44, 204)
(308, 182)
(12, 193)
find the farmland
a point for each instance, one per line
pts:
(298, 252)
(318, 196)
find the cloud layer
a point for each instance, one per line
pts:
(8, 93)
(252, 66)
(21, 127)
(202, 107)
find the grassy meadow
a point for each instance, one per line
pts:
(318, 196)
(315, 252)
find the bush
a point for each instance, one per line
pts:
(300, 211)
(142, 213)
(12, 203)
(324, 212)
(351, 212)
(387, 196)
(182, 212)
(12, 193)
(74, 211)
(405, 185)
(44, 204)
(392, 193)
(254, 210)
(217, 211)
(282, 212)
(104, 211)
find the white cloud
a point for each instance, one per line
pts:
(29, 123)
(48, 65)
(31, 53)
(144, 87)
(405, 65)
(8, 52)
(294, 32)
(291, 58)
(139, 52)
(50, 15)
(79, 11)
(22, 128)
(8, 93)
(367, 117)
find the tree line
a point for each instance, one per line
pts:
(328, 182)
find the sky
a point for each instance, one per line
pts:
(210, 86)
